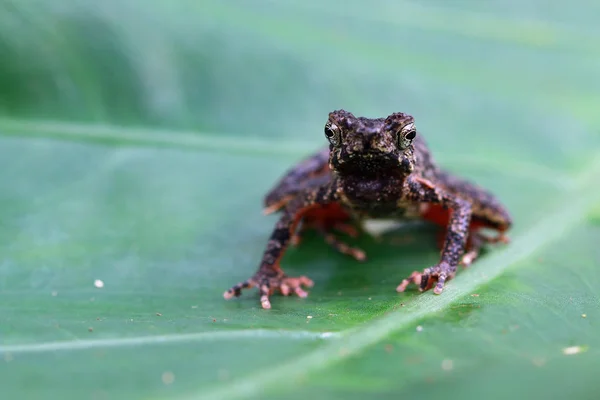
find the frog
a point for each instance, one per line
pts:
(375, 168)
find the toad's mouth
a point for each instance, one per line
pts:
(367, 162)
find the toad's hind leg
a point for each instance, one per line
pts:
(333, 241)
(475, 244)
(326, 231)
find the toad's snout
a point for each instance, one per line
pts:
(366, 143)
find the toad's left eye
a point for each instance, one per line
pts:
(406, 135)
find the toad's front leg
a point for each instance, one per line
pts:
(270, 277)
(454, 243)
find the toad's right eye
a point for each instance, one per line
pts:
(332, 132)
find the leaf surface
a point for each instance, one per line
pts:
(137, 140)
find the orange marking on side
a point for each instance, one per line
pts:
(276, 206)
(328, 213)
(425, 182)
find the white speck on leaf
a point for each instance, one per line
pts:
(447, 365)
(568, 351)
(98, 283)
(168, 377)
(419, 328)
(309, 316)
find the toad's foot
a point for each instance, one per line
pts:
(439, 273)
(268, 285)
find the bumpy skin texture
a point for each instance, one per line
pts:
(374, 168)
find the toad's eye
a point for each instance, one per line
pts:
(329, 132)
(332, 133)
(406, 135)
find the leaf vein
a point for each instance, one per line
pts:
(190, 140)
(163, 339)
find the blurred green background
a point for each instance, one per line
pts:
(137, 139)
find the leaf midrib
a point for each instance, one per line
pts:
(560, 219)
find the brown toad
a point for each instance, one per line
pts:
(374, 168)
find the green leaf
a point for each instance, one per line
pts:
(138, 138)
